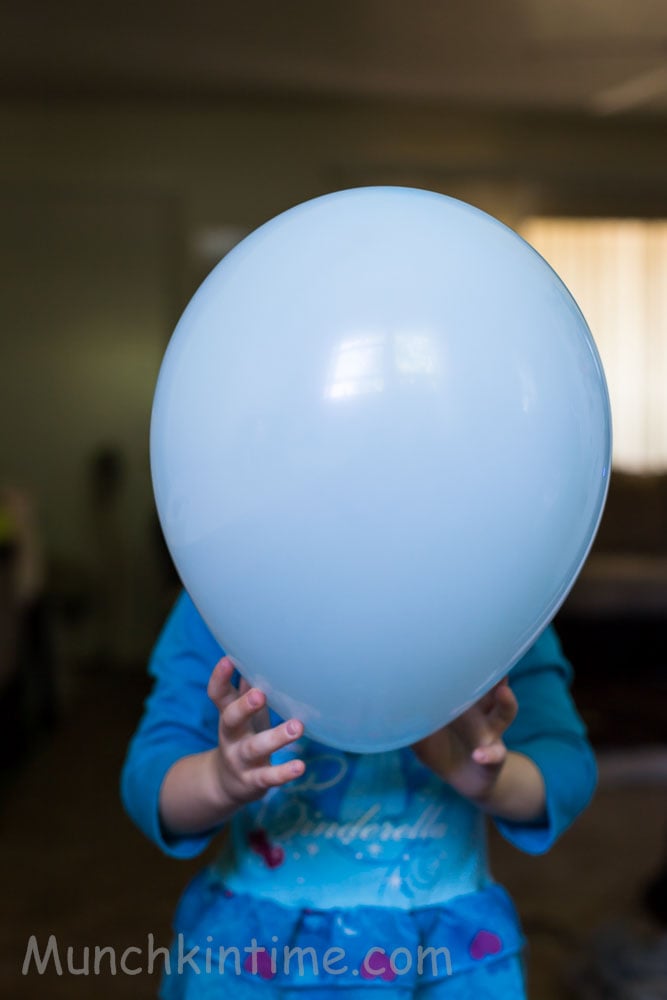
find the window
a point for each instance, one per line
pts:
(617, 271)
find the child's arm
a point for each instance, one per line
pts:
(540, 772)
(549, 730)
(168, 781)
(470, 755)
(202, 790)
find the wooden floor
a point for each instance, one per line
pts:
(73, 865)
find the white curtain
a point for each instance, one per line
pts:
(617, 271)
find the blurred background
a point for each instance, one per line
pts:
(140, 142)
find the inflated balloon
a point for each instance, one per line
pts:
(380, 450)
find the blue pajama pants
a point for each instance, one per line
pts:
(249, 948)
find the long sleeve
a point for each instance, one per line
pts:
(178, 719)
(549, 730)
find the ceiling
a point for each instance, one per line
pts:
(603, 57)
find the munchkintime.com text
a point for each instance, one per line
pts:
(51, 955)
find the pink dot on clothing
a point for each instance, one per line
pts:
(376, 966)
(259, 963)
(485, 943)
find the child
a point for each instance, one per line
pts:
(346, 872)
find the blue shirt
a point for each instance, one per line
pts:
(355, 829)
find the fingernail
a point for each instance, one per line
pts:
(254, 699)
(292, 727)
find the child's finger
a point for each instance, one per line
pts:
(239, 712)
(219, 687)
(277, 774)
(504, 709)
(261, 720)
(491, 755)
(487, 701)
(257, 748)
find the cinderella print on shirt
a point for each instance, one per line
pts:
(383, 824)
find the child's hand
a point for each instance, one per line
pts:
(470, 753)
(245, 741)
(202, 790)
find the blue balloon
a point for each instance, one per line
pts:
(380, 448)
